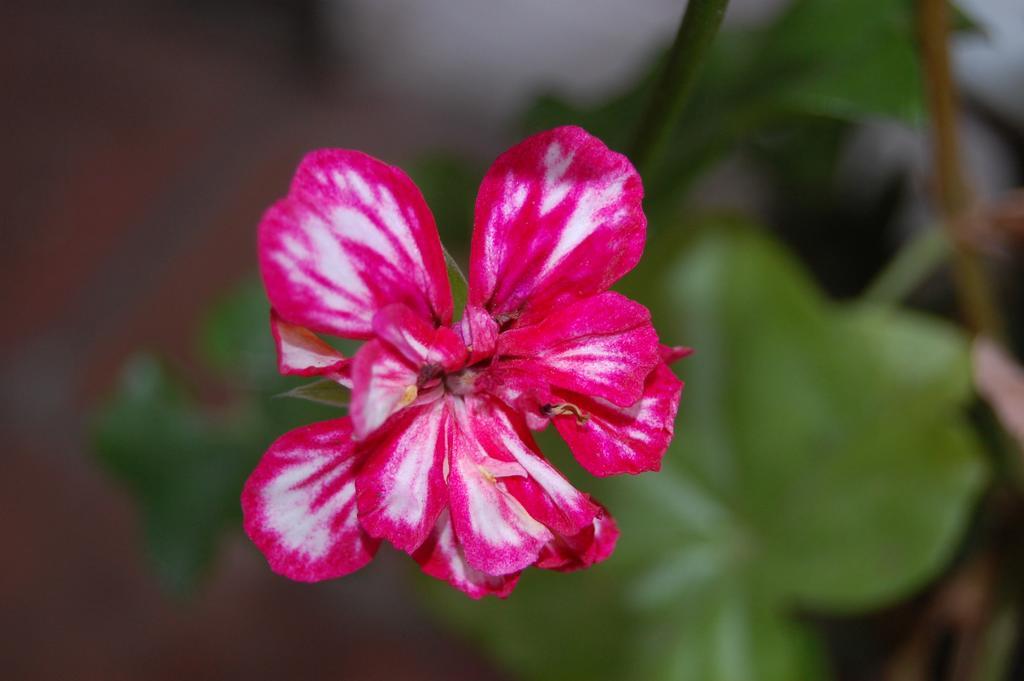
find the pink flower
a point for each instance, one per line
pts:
(436, 455)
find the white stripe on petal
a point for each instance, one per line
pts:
(352, 236)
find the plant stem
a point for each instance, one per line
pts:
(916, 259)
(973, 287)
(697, 30)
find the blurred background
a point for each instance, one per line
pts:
(839, 503)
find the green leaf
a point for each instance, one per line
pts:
(823, 461)
(554, 627)
(835, 435)
(964, 22)
(449, 183)
(235, 340)
(185, 462)
(727, 633)
(924, 354)
(457, 280)
(845, 60)
(236, 337)
(179, 463)
(322, 391)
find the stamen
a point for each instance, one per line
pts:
(563, 408)
(487, 474)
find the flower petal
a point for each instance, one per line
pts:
(300, 352)
(383, 382)
(419, 341)
(352, 236)
(401, 487)
(610, 440)
(441, 556)
(670, 354)
(479, 333)
(558, 217)
(517, 385)
(544, 492)
(602, 346)
(497, 534)
(299, 504)
(591, 545)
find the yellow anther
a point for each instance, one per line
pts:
(408, 396)
(564, 408)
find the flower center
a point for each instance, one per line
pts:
(461, 382)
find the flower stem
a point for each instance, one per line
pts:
(973, 287)
(696, 32)
(916, 259)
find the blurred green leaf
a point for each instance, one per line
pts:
(178, 462)
(840, 59)
(964, 22)
(823, 461)
(235, 340)
(185, 462)
(235, 337)
(457, 281)
(727, 633)
(835, 435)
(845, 59)
(449, 183)
(322, 391)
(544, 631)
